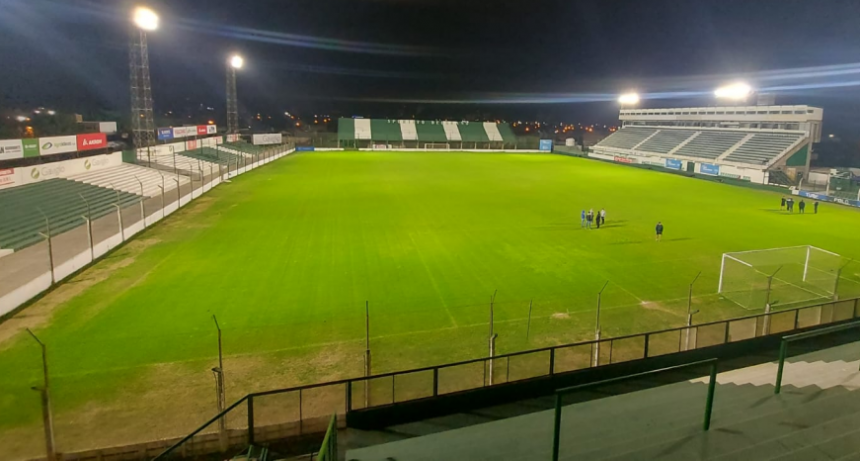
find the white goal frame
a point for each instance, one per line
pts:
(433, 145)
(809, 249)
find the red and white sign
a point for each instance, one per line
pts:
(92, 141)
(623, 159)
(191, 145)
(211, 129)
(7, 178)
(201, 130)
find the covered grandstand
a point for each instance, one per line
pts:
(761, 144)
(424, 134)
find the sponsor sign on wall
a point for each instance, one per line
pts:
(191, 145)
(58, 145)
(31, 147)
(673, 164)
(545, 145)
(824, 198)
(12, 148)
(623, 159)
(270, 138)
(165, 134)
(92, 141)
(707, 168)
(8, 177)
(67, 168)
(184, 131)
(201, 130)
(211, 129)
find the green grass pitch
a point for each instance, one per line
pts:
(287, 255)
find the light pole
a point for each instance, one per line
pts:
(738, 91)
(236, 62)
(143, 126)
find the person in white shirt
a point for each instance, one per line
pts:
(603, 216)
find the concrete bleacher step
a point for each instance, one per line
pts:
(731, 405)
(756, 425)
(794, 444)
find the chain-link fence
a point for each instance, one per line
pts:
(284, 413)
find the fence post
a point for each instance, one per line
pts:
(783, 351)
(556, 430)
(435, 382)
(709, 403)
(647, 341)
(251, 419)
(348, 397)
(552, 361)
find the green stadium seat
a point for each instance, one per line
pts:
(60, 200)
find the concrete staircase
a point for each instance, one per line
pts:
(816, 417)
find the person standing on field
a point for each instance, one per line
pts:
(782, 203)
(790, 205)
(815, 207)
(582, 216)
(603, 216)
(802, 206)
(589, 218)
(597, 218)
(659, 230)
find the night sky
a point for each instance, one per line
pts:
(564, 60)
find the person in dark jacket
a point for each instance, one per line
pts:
(659, 230)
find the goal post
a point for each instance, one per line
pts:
(784, 276)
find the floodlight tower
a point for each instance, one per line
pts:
(734, 92)
(236, 62)
(628, 99)
(143, 126)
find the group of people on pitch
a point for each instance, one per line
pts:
(787, 204)
(590, 218)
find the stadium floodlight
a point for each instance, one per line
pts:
(145, 19)
(628, 99)
(237, 62)
(735, 91)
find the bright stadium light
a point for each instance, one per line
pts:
(237, 62)
(735, 91)
(628, 99)
(145, 19)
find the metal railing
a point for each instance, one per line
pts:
(783, 347)
(328, 450)
(306, 409)
(560, 393)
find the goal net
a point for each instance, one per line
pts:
(437, 145)
(779, 276)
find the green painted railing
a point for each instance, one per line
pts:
(559, 395)
(783, 347)
(328, 451)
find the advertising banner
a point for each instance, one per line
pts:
(673, 164)
(92, 141)
(304, 148)
(623, 159)
(707, 168)
(184, 131)
(8, 177)
(58, 145)
(270, 138)
(165, 134)
(546, 145)
(67, 168)
(202, 130)
(822, 197)
(31, 147)
(11, 148)
(191, 145)
(211, 129)
(107, 127)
